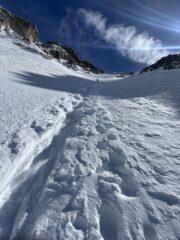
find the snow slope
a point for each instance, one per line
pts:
(86, 159)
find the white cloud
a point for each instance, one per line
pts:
(139, 47)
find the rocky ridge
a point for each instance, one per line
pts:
(57, 51)
(21, 26)
(169, 62)
(51, 49)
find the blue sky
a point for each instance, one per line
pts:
(109, 33)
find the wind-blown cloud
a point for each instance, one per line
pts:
(139, 47)
(72, 32)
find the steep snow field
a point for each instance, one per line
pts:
(86, 159)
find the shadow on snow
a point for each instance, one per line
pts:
(154, 84)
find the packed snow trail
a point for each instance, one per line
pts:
(94, 160)
(106, 175)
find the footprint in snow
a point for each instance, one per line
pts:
(160, 170)
(100, 129)
(15, 144)
(169, 198)
(77, 97)
(54, 112)
(117, 154)
(102, 145)
(38, 129)
(152, 135)
(111, 136)
(117, 165)
(106, 118)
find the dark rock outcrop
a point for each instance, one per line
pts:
(166, 63)
(55, 50)
(3, 24)
(21, 26)
(75, 60)
(51, 49)
(124, 74)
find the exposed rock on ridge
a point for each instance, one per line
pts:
(166, 63)
(55, 50)
(28, 31)
(22, 27)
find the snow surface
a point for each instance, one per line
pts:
(86, 159)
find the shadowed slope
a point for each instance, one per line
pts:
(164, 85)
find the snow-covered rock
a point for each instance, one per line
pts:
(169, 62)
(21, 26)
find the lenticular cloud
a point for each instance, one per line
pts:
(139, 47)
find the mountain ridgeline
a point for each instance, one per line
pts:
(10, 23)
(51, 49)
(169, 62)
(21, 26)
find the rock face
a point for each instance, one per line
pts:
(22, 27)
(55, 50)
(124, 74)
(74, 60)
(3, 24)
(28, 31)
(166, 63)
